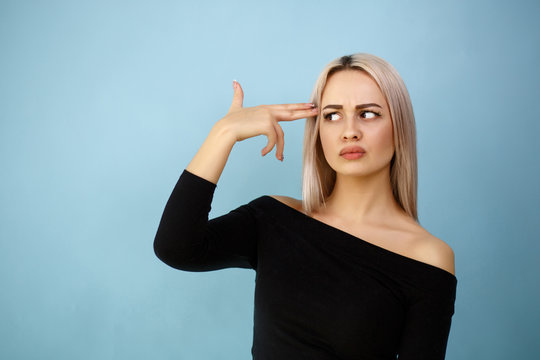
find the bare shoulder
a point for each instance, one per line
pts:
(434, 251)
(289, 201)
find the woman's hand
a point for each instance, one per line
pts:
(242, 123)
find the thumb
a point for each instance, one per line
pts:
(238, 97)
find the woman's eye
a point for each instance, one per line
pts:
(331, 116)
(369, 114)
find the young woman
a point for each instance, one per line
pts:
(347, 272)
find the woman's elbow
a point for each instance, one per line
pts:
(174, 254)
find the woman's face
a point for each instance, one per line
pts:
(355, 126)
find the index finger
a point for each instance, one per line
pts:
(295, 114)
(297, 106)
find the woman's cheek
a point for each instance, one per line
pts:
(385, 140)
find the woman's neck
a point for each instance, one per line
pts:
(365, 199)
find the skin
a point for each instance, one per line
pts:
(361, 203)
(241, 123)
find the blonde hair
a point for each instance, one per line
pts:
(318, 178)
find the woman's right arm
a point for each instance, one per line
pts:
(242, 123)
(185, 238)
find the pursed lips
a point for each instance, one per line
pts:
(352, 149)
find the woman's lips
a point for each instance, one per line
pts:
(352, 155)
(352, 152)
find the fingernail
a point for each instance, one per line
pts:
(234, 83)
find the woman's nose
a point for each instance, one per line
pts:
(351, 130)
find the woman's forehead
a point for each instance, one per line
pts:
(351, 87)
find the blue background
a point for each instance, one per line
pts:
(104, 103)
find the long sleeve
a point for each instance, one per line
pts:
(320, 292)
(187, 240)
(427, 326)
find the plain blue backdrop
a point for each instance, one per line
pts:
(104, 103)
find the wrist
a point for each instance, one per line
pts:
(221, 131)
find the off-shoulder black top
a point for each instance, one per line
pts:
(320, 293)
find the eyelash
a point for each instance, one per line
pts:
(327, 116)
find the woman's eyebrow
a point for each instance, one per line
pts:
(361, 106)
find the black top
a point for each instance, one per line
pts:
(320, 293)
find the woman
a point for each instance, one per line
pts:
(348, 272)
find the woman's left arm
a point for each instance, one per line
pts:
(427, 325)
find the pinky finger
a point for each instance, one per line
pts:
(271, 142)
(280, 141)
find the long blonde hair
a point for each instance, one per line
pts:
(318, 178)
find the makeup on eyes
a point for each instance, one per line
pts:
(363, 112)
